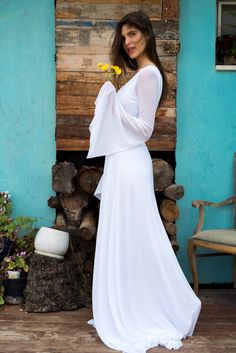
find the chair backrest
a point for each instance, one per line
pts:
(235, 190)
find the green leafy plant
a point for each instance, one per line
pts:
(9, 227)
(16, 262)
(22, 233)
(1, 293)
(2, 276)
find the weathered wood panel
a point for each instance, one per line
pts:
(106, 9)
(165, 143)
(170, 9)
(73, 126)
(98, 77)
(163, 29)
(85, 101)
(87, 44)
(84, 32)
(147, 2)
(88, 63)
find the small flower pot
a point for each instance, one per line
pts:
(51, 242)
(13, 274)
(14, 290)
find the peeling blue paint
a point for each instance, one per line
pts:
(27, 105)
(206, 133)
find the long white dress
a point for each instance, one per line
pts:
(140, 296)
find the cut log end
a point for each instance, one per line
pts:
(88, 224)
(63, 177)
(163, 174)
(88, 178)
(169, 210)
(174, 192)
(170, 227)
(55, 202)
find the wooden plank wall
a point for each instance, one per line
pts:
(83, 37)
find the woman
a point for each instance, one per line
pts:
(141, 297)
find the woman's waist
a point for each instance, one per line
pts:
(136, 152)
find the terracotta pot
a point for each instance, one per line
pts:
(51, 242)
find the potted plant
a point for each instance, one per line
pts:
(15, 268)
(15, 263)
(16, 246)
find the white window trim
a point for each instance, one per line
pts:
(225, 67)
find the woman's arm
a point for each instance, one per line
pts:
(112, 128)
(148, 88)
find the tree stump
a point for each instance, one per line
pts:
(54, 285)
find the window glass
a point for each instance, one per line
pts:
(226, 39)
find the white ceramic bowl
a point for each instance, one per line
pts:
(51, 242)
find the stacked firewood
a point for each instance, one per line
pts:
(167, 192)
(78, 209)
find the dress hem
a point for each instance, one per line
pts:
(166, 342)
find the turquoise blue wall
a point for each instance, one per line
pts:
(206, 132)
(27, 104)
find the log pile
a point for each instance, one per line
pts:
(167, 193)
(78, 209)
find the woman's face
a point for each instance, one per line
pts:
(134, 42)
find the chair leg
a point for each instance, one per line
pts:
(193, 263)
(234, 271)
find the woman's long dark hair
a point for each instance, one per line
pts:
(118, 55)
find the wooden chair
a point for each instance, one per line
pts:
(221, 240)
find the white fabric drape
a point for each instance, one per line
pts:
(113, 128)
(140, 296)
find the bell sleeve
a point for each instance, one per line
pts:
(148, 88)
(113, 129)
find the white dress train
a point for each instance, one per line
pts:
(140, 296)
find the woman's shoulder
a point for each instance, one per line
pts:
(149, 71)
(149, 74)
